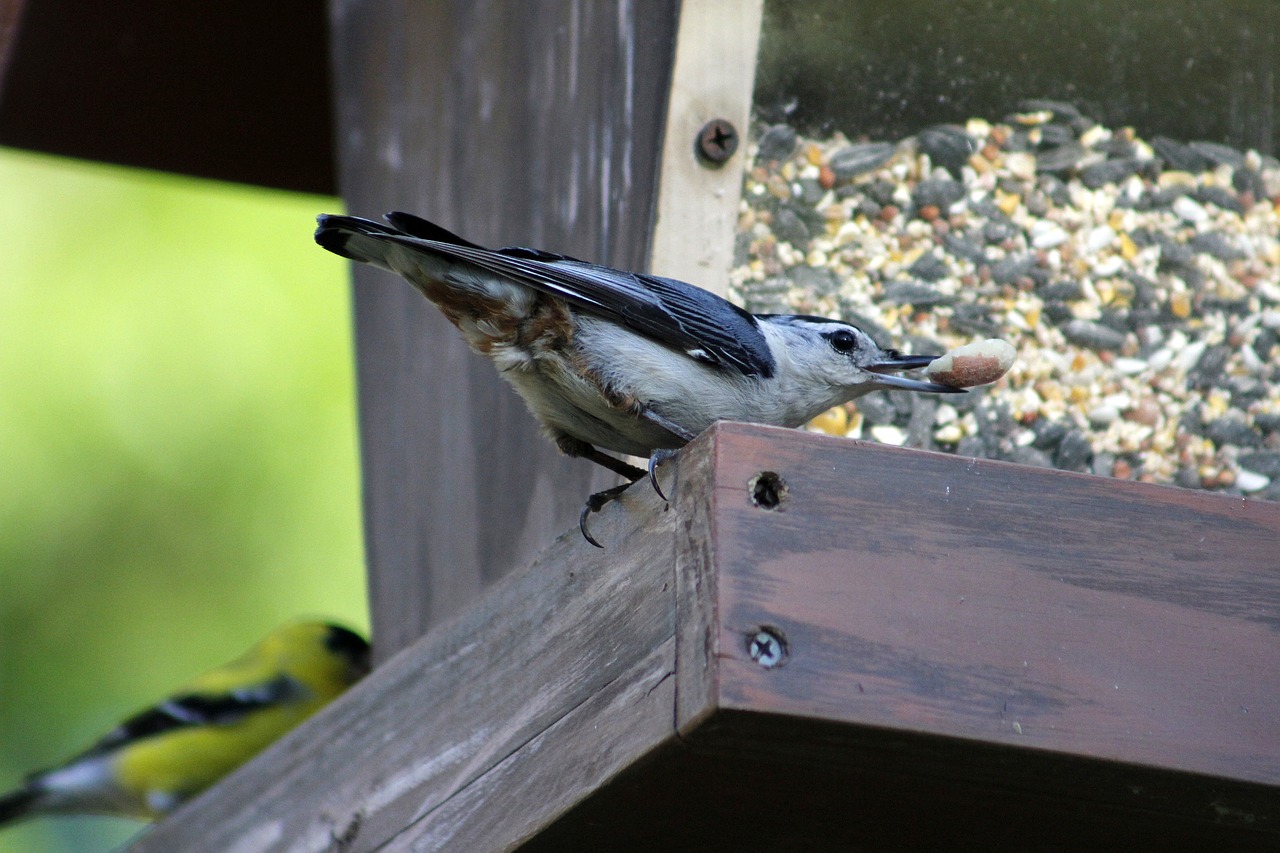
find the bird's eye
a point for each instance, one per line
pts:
(843, 341)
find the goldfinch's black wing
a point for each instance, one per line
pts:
(706, 327)
(198, 709)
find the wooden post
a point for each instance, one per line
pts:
(511, 123)
(713, 77)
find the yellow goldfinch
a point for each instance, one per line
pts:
(158, 759)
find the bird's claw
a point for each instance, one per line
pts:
(655, 459)
(582, 526)
(595, 503)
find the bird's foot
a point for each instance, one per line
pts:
(571, 446)
(595, 503)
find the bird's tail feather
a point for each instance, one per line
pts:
(354, 238)
(18, 804)
(416, 226)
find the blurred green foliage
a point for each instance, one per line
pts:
(178, 462)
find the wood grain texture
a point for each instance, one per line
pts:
(1011, 606)
(966, 645)
(557, 770)
(510, 123)
(693, 492)
(385, 758)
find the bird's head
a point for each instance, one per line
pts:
(839, 355)
(324, 656)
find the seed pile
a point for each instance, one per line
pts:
(1139, 281)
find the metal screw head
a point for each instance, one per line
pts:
(767, 647)
(717, 141)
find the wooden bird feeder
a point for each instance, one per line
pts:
(820, 644)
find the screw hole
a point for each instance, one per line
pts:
(768, 490)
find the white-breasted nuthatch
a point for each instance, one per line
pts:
(629, 362)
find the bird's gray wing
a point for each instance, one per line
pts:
(701, 324)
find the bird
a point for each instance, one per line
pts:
(161, 757)
(628, 362)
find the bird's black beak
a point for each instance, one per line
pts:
(883, 369)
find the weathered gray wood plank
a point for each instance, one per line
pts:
(627, 720)
(544, 132)
(693, 492)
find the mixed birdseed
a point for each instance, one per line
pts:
(1138, 279)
